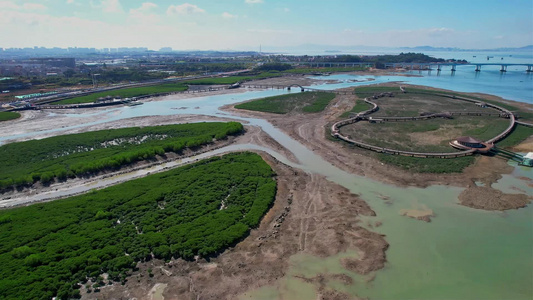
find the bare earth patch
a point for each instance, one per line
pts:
(491, 199)
(444, 133)
(423, 213)
(319, 218)
(311, 132)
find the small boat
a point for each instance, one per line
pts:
(134, 103)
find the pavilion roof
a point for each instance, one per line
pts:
(469, 139)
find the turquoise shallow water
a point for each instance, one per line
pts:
(514, 85)
(462, 254)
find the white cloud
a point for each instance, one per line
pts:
(71, 2)
(111, 6)
(144, 13)
(33, 6)
(146, 7)
(227, 15)
(8, 5)
(26, 29)
(439, 31)
(348, 30)
(270, 31)
(184, 9)
(25, 6)
(253, 1)
(286, 9)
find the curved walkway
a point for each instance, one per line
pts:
(335, 129)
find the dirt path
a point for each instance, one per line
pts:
(310, 215)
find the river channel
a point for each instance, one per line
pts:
(462, 254)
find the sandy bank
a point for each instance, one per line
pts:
(311, 215)
(310, 130)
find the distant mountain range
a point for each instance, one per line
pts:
(360, 48)
(429, 48)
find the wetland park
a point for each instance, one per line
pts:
(205, 192)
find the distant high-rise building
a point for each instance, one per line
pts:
(133, 50)
(77, 50)
(68, 62)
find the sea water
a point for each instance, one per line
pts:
(514, 84)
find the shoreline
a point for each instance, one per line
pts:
(308, 217)
(252, 134)
(311, 214)
(310, 133)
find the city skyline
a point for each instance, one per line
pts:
(246, 24)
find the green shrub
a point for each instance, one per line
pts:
(87, 153)
(46, 249)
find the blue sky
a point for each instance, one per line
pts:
(245, 24)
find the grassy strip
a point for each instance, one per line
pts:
(310, 102)
(47, 249)
(414, 164)
(427, 165)
(403, 135)
(233, 79)
(127, 93)
(8, 115)
(369, 91)
(324, 70)
(487, 132)
(365, 91)
(86, 153)
(357, 108)
(437, 165)
(319, 104)
(518, 135)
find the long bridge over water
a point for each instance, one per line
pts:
(418, 66)
(453, 66)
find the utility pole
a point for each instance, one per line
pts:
(95, 81)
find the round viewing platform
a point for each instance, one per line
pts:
(470, 143)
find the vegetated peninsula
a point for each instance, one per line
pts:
(49, 249)
(309, 102)
(9, 115)
(68, 156)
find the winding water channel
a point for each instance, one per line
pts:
(462, 254)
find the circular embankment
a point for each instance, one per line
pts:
(364, 116)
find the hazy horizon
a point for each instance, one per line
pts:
(247, 24)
